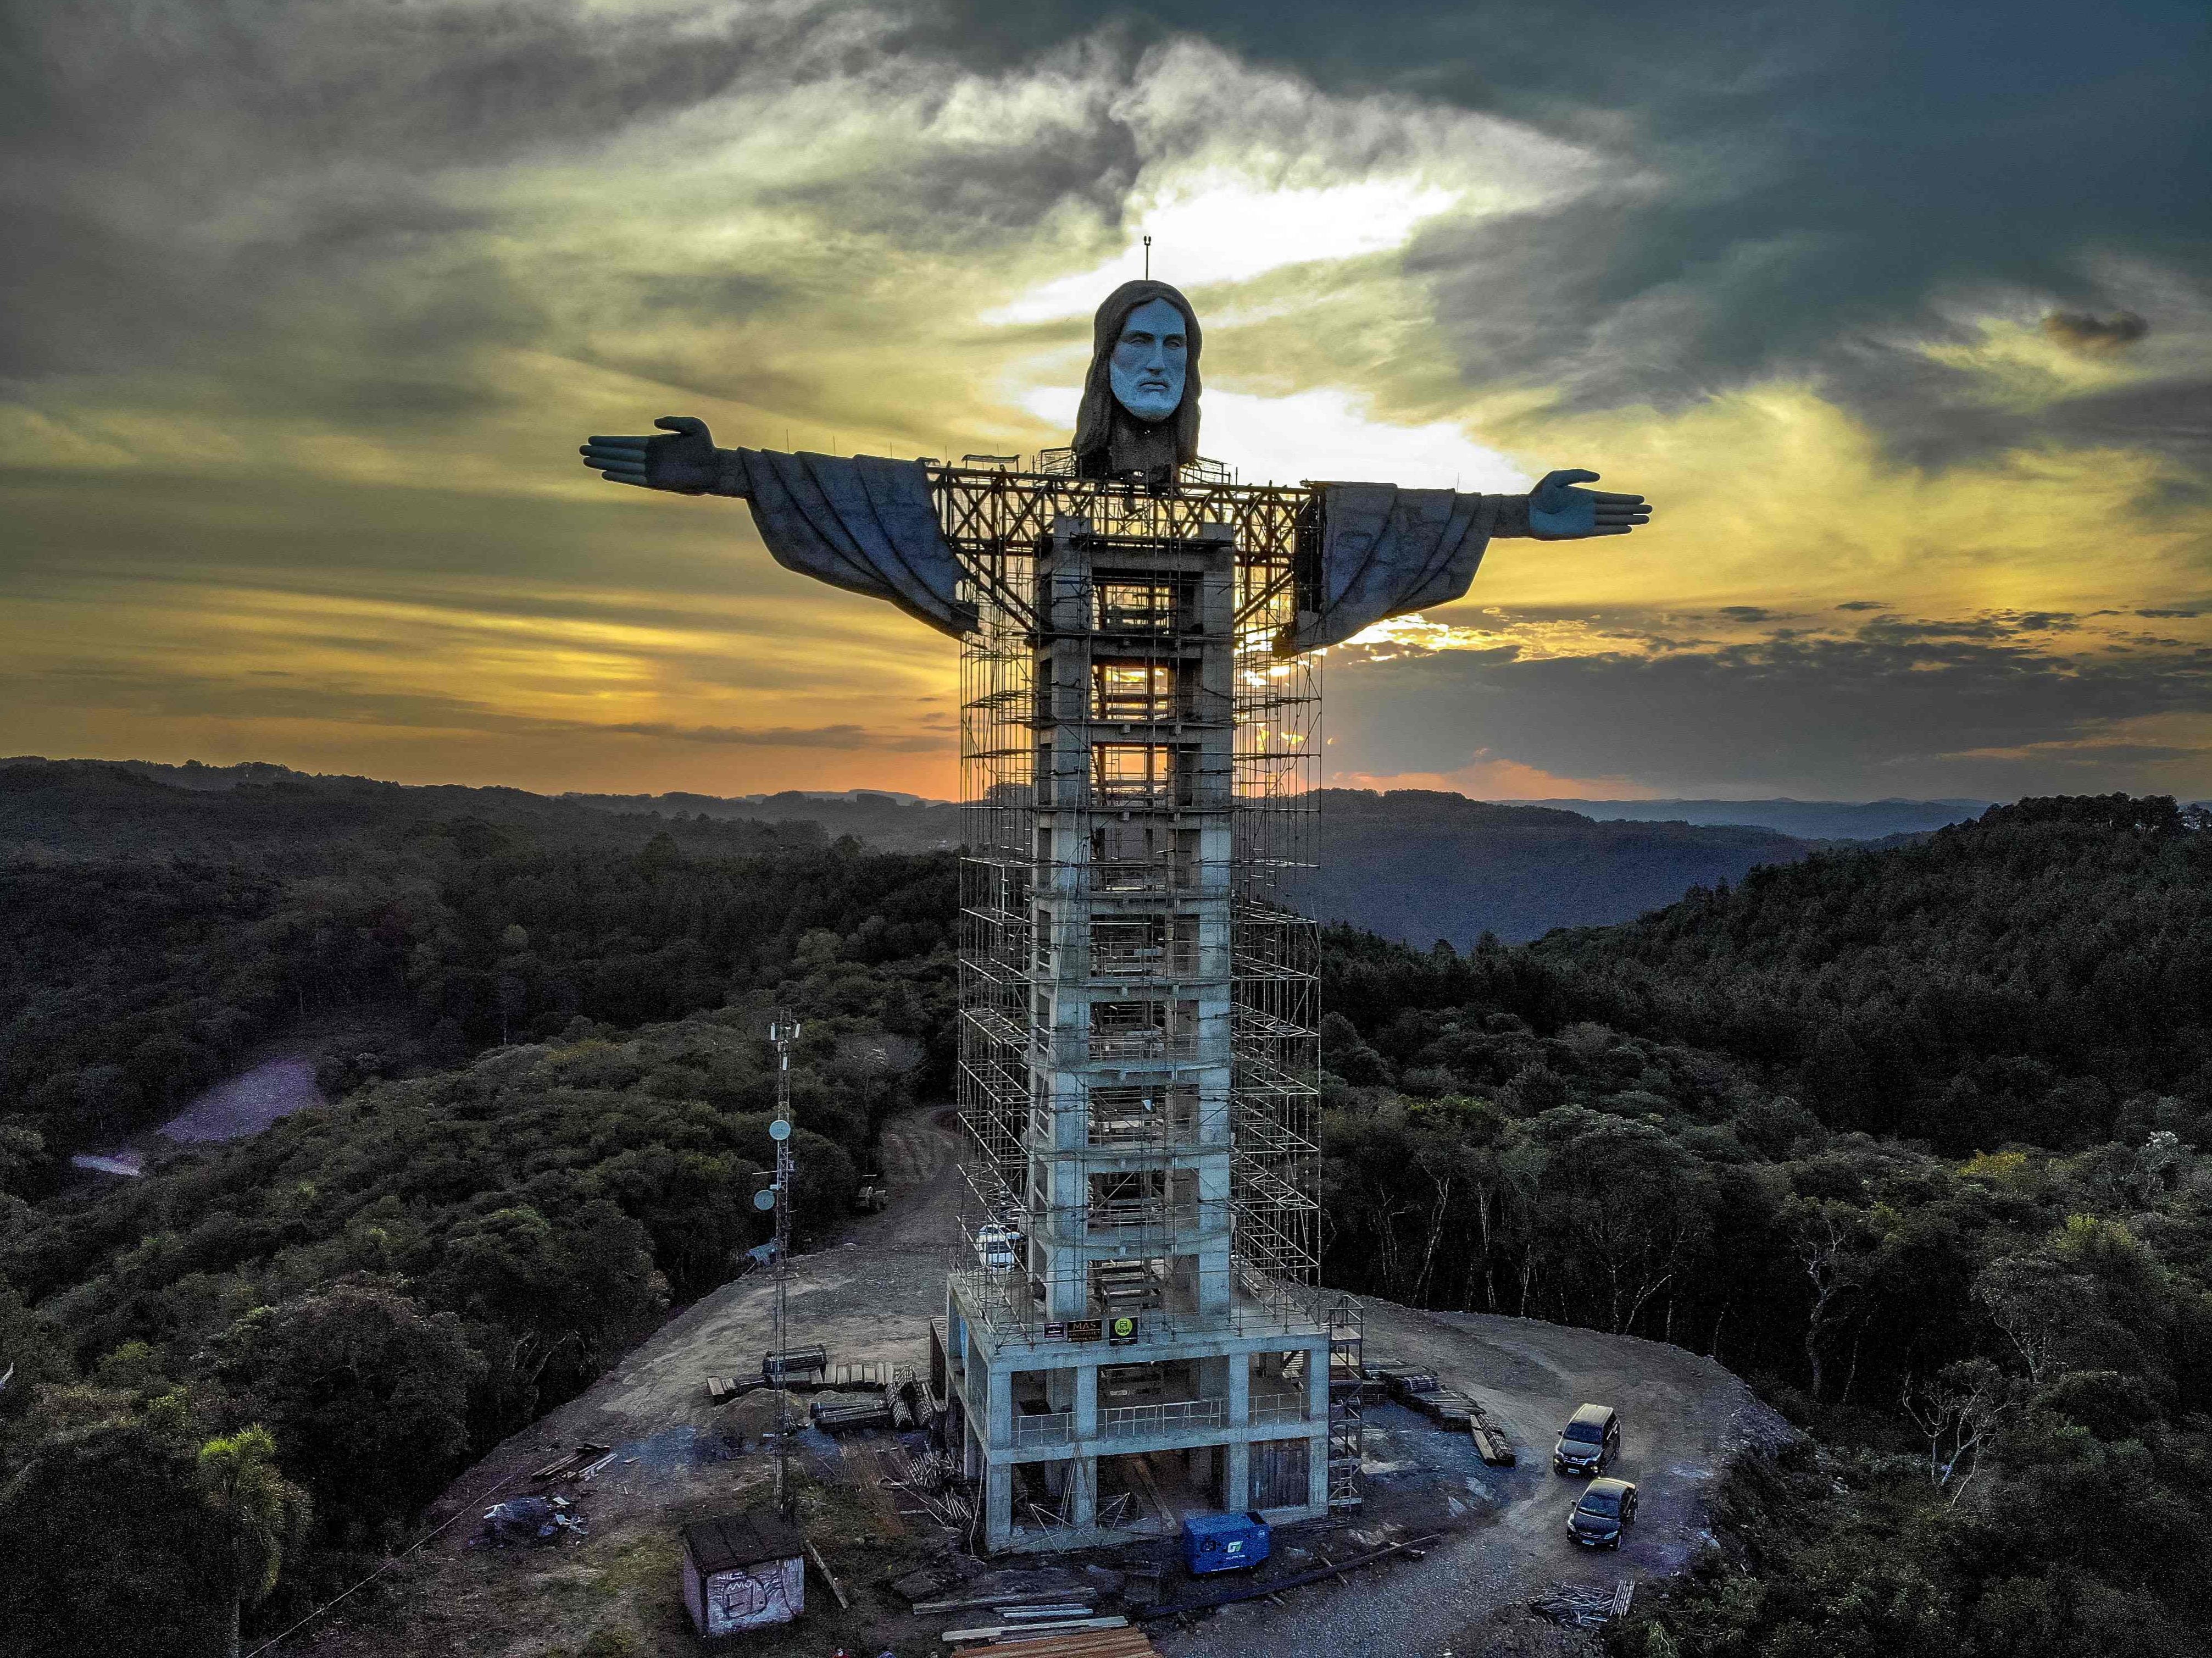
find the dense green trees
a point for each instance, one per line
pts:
(1919, 1141)
(387, 1286)
(1696, 1127)
(127, 984)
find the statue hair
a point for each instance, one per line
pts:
(1095, 419)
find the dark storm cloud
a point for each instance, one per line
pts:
(1795, 187)
(2095, 334)
(264, 190)
(1870, 714)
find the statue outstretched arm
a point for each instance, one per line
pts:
(684, 461)
(1556, 511)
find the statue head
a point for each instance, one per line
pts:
(1144, 372)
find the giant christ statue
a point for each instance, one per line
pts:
(872, 524)
(1139, 1068)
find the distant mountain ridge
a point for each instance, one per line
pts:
(1418, 865)
(1807, 819)
(1412, 865)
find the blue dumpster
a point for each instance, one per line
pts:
(1224, 1542)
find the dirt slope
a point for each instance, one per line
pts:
(871, 1296)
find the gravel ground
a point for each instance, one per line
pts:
(871, 1296)
(1683, 1417)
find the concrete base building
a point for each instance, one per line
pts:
(1131, 1330)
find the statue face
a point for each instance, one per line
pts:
(1148, 361)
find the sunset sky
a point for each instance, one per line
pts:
(1901, 313)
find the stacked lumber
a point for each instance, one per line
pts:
(722, 1389)
(1092, 1638)
(573, 1463)
(836, 1416)
(1494, 1443)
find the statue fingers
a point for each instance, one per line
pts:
(637, 479)
(684, 425)
(1565, 476)
(1605, 497)
(617, 446)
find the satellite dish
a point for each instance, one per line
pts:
(778, 1129)
(764, 1198)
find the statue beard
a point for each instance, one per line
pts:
(1149, 447)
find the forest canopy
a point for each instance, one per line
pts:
(1918, 1140)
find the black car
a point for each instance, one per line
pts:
(1601, 1514)
(1589, 1440)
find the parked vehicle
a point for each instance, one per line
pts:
(994, 1248)
(1589, 1440)
(1606, 1508)
(1224, 1542)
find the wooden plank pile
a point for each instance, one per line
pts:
(1086, 1637)
(722, 1389)
(833, 1416)
(1495, 1444)
(1423, 1391)
(573, 1465)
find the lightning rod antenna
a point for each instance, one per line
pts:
(782, 1031)
(1148, 258)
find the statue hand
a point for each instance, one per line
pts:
(1558, 512)
(684, 462)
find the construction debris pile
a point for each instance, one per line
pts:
(927, 1485)
(540, 1520)
(1578, 1605)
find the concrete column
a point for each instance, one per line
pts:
(1237, 1460)
(971, 1449)
(998, 1505)
(971, 1366)
(1087, 1403)
(1000, 1411)
(1317, 1378)
(1083, 1504)
(1236, 1477)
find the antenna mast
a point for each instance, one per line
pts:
(1148, 258)
(782, 1031)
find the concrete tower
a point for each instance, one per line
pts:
(1126, 1336)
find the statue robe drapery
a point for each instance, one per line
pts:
(870, 525)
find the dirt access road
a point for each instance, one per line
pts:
(871, 1296)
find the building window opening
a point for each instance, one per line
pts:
(1128, 773)
(1140, 604)
(1133, 691)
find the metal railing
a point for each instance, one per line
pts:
(1056, 1428)
(1133, 1421)
(1279, 1407)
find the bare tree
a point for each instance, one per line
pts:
(2038, 1303)
(1829, 1238)
(1956, 1412)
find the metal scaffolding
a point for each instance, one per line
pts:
(1120, 785)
